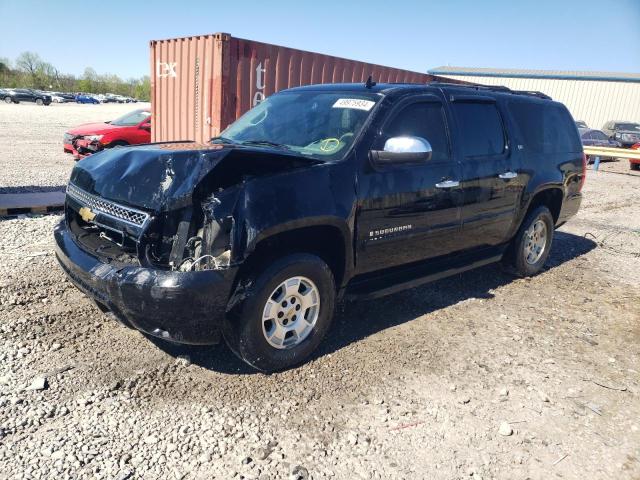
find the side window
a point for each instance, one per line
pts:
(559, 131)
(481, 129)
(425, 120)
(598, 135)
(545, 127)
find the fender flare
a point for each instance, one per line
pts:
(340, 224)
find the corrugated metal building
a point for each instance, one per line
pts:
(595, 97)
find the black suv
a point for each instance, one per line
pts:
(318, 193)
(17, 95)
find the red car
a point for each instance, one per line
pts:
(634, 164)
(130, 129)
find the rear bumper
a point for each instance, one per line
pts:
(183, 307)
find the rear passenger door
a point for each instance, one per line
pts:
(490, 184)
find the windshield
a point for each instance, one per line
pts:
(312, 123)
(131, 118)
(629, 127)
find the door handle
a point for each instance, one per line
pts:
(508, 175)
(447, 184)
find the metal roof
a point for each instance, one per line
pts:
(549, 74)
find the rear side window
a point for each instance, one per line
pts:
(545, 127)
(425, 120)
(481, 129)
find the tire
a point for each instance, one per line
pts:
(246, 330)
(634, 166)
(523, 257)
(39, 101)
(8, 100)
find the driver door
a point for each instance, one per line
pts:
(409, 213)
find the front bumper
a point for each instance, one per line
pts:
(183, 307)
(83, 148)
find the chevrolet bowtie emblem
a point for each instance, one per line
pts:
(86, 214)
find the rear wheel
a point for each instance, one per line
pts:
(284, 312)
(530, 247)
(8, 100)
(39, 101)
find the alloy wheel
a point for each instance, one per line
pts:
(535, 241)
(291, 312)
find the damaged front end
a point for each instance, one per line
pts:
(153, 234)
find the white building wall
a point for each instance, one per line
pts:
(595, 102)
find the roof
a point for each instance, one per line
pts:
(547, 74)
(389, 88)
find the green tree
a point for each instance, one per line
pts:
(30, 64)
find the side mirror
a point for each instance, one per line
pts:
(399, 150)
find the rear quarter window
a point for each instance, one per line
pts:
(545, 127)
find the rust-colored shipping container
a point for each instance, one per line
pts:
(201, 84)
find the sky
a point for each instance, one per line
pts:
(113, 36)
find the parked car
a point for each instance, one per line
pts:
(634, 164)
(110, 98)
(86, 99)
(130, 129)
(597, 138)
(68, 97)
(57, 99)
(18, 95)
(627, 133)
(581, 124)
(316, 194)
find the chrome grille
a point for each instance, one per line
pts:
(106, 207)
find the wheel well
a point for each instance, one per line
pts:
(325, 241)
(550, 198)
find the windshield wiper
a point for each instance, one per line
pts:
(266, 143)
(224, 140)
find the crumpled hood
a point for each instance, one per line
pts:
(158, 177)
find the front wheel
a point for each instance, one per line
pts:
(282, 313)
(39, 101)
(530, 247)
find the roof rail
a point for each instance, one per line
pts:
(533, 93)
(495, 88)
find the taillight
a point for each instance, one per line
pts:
(584, 171)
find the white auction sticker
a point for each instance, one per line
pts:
(355, 103)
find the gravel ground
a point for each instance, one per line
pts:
(31, 141)
(477, 376)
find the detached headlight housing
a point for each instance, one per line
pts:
(93, 138)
